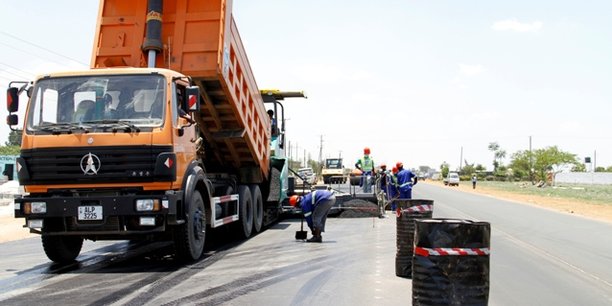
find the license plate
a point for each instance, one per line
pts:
(90, 212)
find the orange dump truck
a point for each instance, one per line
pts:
(165, 136)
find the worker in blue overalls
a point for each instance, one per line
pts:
(405, 180)
(366, 165)
(315, 207)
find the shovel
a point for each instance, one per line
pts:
(301, 234)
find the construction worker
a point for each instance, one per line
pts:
(392, 191)
(405, 180)
(382, 174)
(366, 165)
(315, 207)
(381, 193)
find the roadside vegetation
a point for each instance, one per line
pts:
(592, 194)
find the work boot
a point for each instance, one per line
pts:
(316, 236)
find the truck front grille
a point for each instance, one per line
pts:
(110, 164)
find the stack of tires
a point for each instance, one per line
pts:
(408, 211)
(451, 262)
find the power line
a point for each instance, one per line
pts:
(41, 47)
(30, 53)
(16, 75)
(15, 68)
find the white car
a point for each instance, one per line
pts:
(453, 179)
(308, 175)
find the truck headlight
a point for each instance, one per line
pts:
(34, 208)
(148, 205)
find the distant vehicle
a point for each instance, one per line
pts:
(308, 175)
(452, 179)
(333, 171)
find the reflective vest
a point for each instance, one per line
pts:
(367, 164)
(314, 194)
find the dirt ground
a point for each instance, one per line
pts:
(12, 229)
(598, 212)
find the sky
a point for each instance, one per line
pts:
(422, 82)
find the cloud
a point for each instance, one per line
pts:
(471, 70)
(515, 25)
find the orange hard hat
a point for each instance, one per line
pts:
(394, 170)
(399, 165)
(366, 150)
(294, 199)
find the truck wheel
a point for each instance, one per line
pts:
(257, 208)
(62, 249)
(244, 225)
(190, 237)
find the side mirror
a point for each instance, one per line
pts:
(12, 119)
(12, 99)
(192, 99)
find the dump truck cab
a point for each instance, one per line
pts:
(164, 137)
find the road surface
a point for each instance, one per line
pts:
(538, 257)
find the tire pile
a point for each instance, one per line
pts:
(405, 224)
(451, 262)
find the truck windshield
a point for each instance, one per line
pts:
(93, 102)
(333, 164)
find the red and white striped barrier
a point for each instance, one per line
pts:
(412, 209)
(451, 251)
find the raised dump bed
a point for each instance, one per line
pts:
(200, 40)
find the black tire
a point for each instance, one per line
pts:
(62, 249)
(191, 236)
(258, 210)
(244, 226)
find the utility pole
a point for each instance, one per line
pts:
(530, 162)
(595, 161)
(321, 150)
(461, 159)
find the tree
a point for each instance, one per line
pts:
(498, 155)
(10, 150)
(544, 160)
(579, 167)
(14, 138)
(609, 169)
(444, 169)
(468, 169)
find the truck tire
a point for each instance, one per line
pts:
(244, 226)
(62, 249)
(190, 236)
(257, 208)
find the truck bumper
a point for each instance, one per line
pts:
(119, 215)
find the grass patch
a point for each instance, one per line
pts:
(594, 194)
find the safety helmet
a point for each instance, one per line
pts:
(394, 170)
(293, 200)
(399, 165)
(383, 166)
(366, 150)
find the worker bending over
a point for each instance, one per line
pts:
(315, 207)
